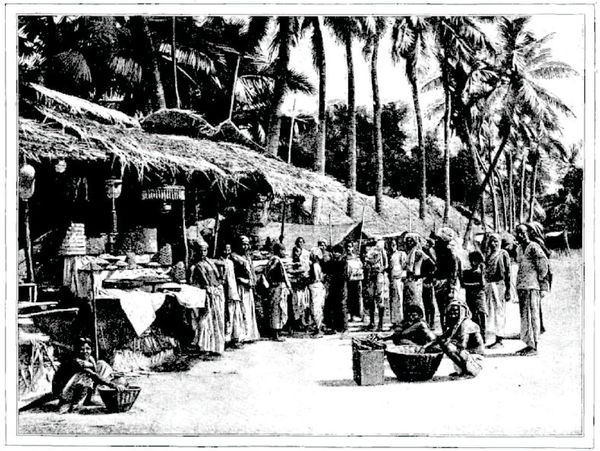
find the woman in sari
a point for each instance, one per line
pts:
(300, 294)
(316, 289)
(210, 335)
(246, 281)
(76, 379)
(279, 291)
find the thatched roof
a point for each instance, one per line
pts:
(70, 128)
(63, 132)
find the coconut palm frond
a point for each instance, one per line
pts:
(435, 109)
(250, 88)
(553, 69)
(299, 82)
(433, 84)
(73, 64)
(126, 68)
(552, 100)
(197, 60)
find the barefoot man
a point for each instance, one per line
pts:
(533, 267)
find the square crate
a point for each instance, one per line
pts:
(368, 367)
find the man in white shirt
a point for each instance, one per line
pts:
(533, 267)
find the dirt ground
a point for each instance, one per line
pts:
(305, 387)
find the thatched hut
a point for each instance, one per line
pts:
(220, 177)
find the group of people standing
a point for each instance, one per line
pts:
(488, 283)
(229, 315)
(324, 288)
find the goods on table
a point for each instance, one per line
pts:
(74, 242)
(368, 361)
(408, 364)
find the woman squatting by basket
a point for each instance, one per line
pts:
(77, 377)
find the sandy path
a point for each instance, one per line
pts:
(304, 386)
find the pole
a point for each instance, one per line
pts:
(216, 235)
(184, 234)
(235, 77)
(94, 311)
(362, 224)
(330, 234)
(291, 132)
(174, 58)
(114, 226)
(28, 248)
(283, 212)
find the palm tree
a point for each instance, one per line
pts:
(451, 48)
(287, 30)
(174, 60)
(318, 51)
(372, 37)
(345, 30)
(150, 58)
(408, 42)
(523, 61)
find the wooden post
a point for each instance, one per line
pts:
(283, 212)
(28, 247)
(94, 311)
(184, 234)
(330, 234)
(174, 58)
(289, 160)
(235, 77)
(216, 235)
(362, 224)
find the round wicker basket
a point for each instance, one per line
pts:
(119, 401)
(408, 365)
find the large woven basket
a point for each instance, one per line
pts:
(408, 365)
(116, 401)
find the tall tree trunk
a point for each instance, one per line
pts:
(322, 127)
(351, 126)
(411, 74)
(511, 190)
(494, 198)
(483, 185)
(282, 64)
(377, 128)
(446, 153)
(532, 187)
(174, 58)
(503, 201)
(522, 189)
(155, 83)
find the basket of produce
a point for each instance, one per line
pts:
(368, 361)
(408, 364)
(119, 401)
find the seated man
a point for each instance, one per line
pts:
(461, 339)
(77, 378)
(461, 330)
(413, 330)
